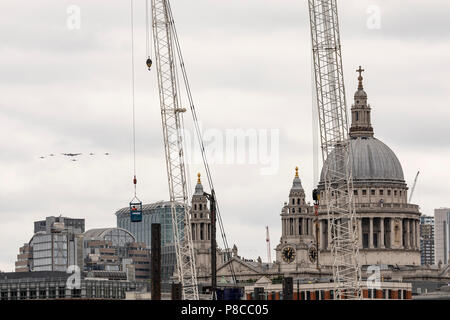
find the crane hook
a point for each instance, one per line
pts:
(149, 63)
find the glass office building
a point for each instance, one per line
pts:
(158, 212)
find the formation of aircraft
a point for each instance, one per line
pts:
(73, 155)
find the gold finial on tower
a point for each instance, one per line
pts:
(198, 180)
(296, 172)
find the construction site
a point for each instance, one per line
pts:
(359, 238)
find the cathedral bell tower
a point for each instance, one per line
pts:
(297, 230)
(201, 230)
(361, 122)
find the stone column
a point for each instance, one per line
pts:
(391, 226)
(370, 233)
(360, 234)
(413, 234)
(329, 236)
(408, 235)
(382, 233)
(296, 226)
(418, 234)
(320, 237)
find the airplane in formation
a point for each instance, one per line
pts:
(71, 154)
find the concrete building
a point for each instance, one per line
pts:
(75, 226)
(54, 247)
(115, 249)
(24, 259)
(323, 289)
(54, 285)
(427, 240)
(441, 235)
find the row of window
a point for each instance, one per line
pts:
(380, 192)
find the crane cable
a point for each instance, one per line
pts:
(133, 94)
(148, 34)
(198, 131)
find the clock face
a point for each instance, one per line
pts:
(288, 254)
(312, 253)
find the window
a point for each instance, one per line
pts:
(364, 192)
(389, 192)
(195, 206)
(42, 294)
(293, 201)
(293, 210)
(372, 192)
(298, 201)
(381, 192)
(395, 192)
(355, 192)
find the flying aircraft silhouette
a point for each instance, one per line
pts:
(71, 154)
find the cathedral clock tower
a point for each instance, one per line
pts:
(297, 244)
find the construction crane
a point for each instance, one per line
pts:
(167, 53)
(269, 255)
(334, 135)
(414, 186)
(171, 115)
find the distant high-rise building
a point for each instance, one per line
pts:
(427, 240)
(441, 235)
(56, 245)
(72, 225)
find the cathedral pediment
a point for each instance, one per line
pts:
(240, 267)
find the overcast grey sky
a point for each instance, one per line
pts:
(249, 63)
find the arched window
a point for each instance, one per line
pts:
(293, 201)
(298, 201)
(195, 206)
(293, 210)
(201, 207)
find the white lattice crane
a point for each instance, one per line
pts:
(333, 123)
(172, 124)
(167, 53)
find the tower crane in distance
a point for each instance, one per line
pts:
(336, 153)
(414, 186)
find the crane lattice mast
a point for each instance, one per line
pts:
(414, 186)
(172, 123)
(333, 123)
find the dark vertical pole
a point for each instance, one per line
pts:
(288, 288)
(213, 245)
(176, 291)
(316, 198)
(156, 261)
